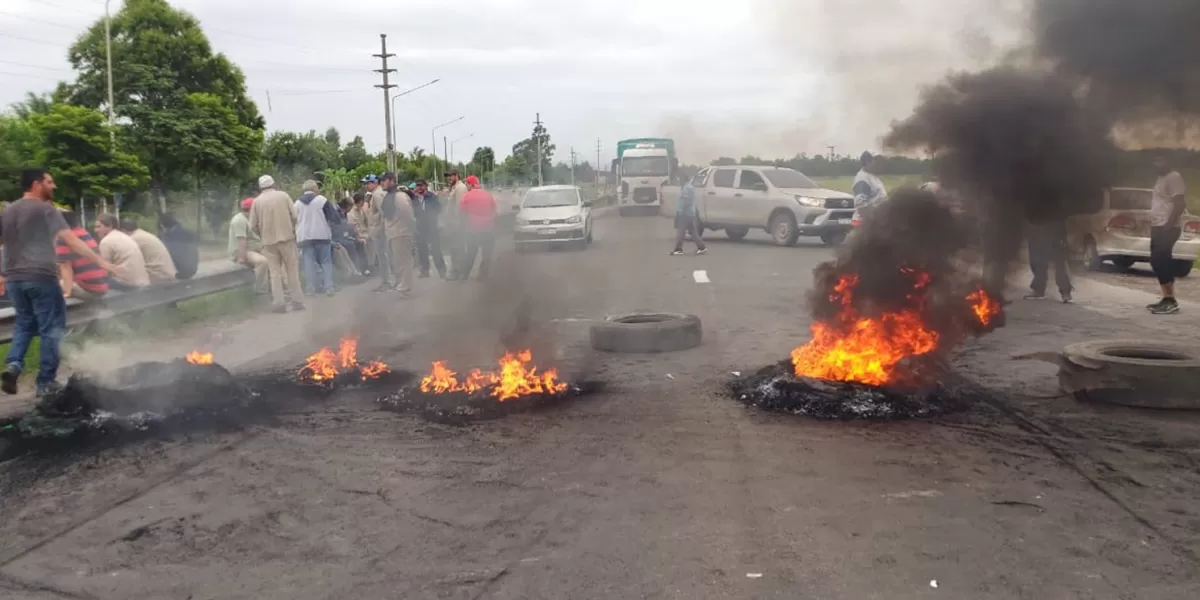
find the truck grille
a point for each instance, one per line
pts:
(839, 203)
(645, 195)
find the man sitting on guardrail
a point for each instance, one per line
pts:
(182, 244)
(29, 229)
(119, 249)
(80, 277)
(244, 247)
(158, 261)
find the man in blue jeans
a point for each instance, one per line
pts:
(28, 229)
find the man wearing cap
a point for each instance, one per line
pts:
(273, 220)
(868, 187)
(244, 246)
(478, 209)
(399, 224)
(378, 238)
(454, 241)
(428, 208)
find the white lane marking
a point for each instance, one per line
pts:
(700, 276)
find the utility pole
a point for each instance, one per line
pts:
(830, 153)
(387, 104)
(446, 152)
(537, 139)
(572, 165)
(597, 162)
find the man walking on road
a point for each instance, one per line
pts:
(244, 247)
(478, 209)
(428, 208)
(1048, 245)
(399, 224)
(378, 236)
(685, 220)
(273, 220)
(1168, 204)
(315, 215)
(29, 228)
(454, 241)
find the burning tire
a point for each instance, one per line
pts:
(647, 333)
(1150, 374)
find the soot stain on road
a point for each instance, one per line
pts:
(462, 408)
(160, 400)
(776, 388)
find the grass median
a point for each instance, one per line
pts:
(151, 322)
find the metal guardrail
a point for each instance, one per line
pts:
(224, 277)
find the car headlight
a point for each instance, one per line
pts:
(806, 201)
(574, 219)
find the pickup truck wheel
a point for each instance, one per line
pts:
(783, 229)
(736, 233)
(1183, 268)
(1123, 262)
(833, 239)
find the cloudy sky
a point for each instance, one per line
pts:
(724, 77)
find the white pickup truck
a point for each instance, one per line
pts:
(781, 201)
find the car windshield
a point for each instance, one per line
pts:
(787, 178)
(644, 166)
(547, 198)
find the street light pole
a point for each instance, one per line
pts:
(433, 145)
(405, 93)
(112, 132)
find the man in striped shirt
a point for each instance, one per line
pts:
(80, 276)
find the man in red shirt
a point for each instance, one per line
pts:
(79, 276)
(478, 212)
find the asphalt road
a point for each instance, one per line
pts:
(659, 487)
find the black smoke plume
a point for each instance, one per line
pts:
(1026, 142)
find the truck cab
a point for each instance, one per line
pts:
(642, 168)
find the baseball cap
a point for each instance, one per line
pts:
(247, 203)
(451, 172)
(388, 176)
(370, 179)
(472, 180)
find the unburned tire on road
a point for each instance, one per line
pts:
(1142, 373)
(647, 333)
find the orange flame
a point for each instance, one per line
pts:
(200, 358)
(868, 349)
(325, 364)
(514, 379)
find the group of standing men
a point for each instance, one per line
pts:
(396, 225)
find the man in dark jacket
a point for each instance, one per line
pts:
(1048, 244)
(182, 245)
(428, 207)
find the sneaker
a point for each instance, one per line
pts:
(279, 309)
(331, 293)
(702, 251)
(297, 306)
(1035, 296)
(49, 389)
(1155, 305)
(677, 253)
(1166, 307)
(383, 288)
(8, 379)
(1066, 297)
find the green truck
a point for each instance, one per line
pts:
(642, 168)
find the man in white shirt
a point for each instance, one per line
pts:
(1168, 203)
(868, 187)
(454, 241)
(159, 264)
(119, 249)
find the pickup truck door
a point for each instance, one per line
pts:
(751, 203)
(700, 183)
(718, 196)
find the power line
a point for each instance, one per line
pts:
(33, 40)
(28, 75)
(37, 20)
(33, 66)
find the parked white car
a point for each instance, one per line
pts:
(553, 214)
(1120, 232)
(781, 201)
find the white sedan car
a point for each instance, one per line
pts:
(553, 214)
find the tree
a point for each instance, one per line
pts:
(484, 159)
(74, 144)
(300, 155)
(355, 153)
(527, 149)
(169, 84)
(17, 145)
(333, 138)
